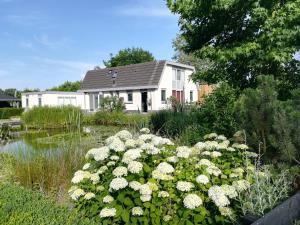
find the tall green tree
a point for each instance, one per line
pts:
(67, 86)
(129, 56)
(243, 39)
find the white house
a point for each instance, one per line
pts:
(144, 87)
(52, 98)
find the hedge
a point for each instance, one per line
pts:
(22, 206)
(6, 113)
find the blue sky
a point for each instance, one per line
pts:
(46, 42)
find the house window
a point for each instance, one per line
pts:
(40, 100)
(163, 96)
(191, 96)
(129, 96)
(27, 101)
(177, 79)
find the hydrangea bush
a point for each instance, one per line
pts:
(146, 179)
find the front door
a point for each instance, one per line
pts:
(144, 101)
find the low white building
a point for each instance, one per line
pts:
(143, 87)
(52, 98)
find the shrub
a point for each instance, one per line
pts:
(121, 119)
(112, 104)
(53, 117)
(6, 113)
(21, 206)
(147, 180)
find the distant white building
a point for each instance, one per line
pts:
(52, 98)
(143, 87)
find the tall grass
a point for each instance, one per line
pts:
(6, 113)
(53, 117)
(135, 121)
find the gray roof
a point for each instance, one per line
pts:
(7, 98)
(51, 92)
(142, 75)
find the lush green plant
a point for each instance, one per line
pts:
(21, 206)
(121, 119)
(257, 37)
(112, 104)
(145, 179)
(53, 117)
(6, 113)
(67, 86)
(267, 191)
(129, 56)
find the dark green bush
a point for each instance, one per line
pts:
(121, 119)
(53, 117)
(24, 207)
(112, 104)
(6, 113)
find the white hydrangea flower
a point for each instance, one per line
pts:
(108, 199)
(130, 143)
(192, 201)
(173, 159)
(137, 211)
(98, 154)
(221, 138)
(233, 175)
(110, 139)
(150, 149)
(202, 179)
(184, 186)
(144, 131)
(229, 191)
(79, 176)
(117, 145)
(165, 168)
(146, 137)
(102, 169)
(135, 185)
(157, 141)
(251, 154)
(145, 198)
(120, 171)
(206, 153)
(224, 144)
(89, 196)
(216, 194)
(114, 158)
(139, 142)
(210, 136)
(213, 170)
(117, 184)
(241, 185)
(183, 152)
(100, 188)
(108, 212)
(230, 149)
(167, 218)
(225, 211)
(167, 141)
(86, 166)
(163, 194)
(205, 162)
(77, 193)
(145, 189)
(240, 146)
(124, 135)
(94, 177)
(211, 145)
(131, 155)
(156, 174)
(111, 163)
(200, 146)
(215, 154)
(153, 186)
(238, 170)
(135, 167)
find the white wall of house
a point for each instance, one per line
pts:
(32, 99)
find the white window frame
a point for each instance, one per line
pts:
(161, 96)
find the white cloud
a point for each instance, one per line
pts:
(46, 41)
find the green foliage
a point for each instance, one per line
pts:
(257, 37)
(129, 56)
(21, 206)
(53, 117)
(216, 114)
(6, 113)
(112, 104)
(67, 86)
(255, 109)
(121, 119)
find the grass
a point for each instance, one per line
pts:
(6, 113)
(53, 117)
(21, 206)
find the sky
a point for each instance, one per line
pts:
(44, 43)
